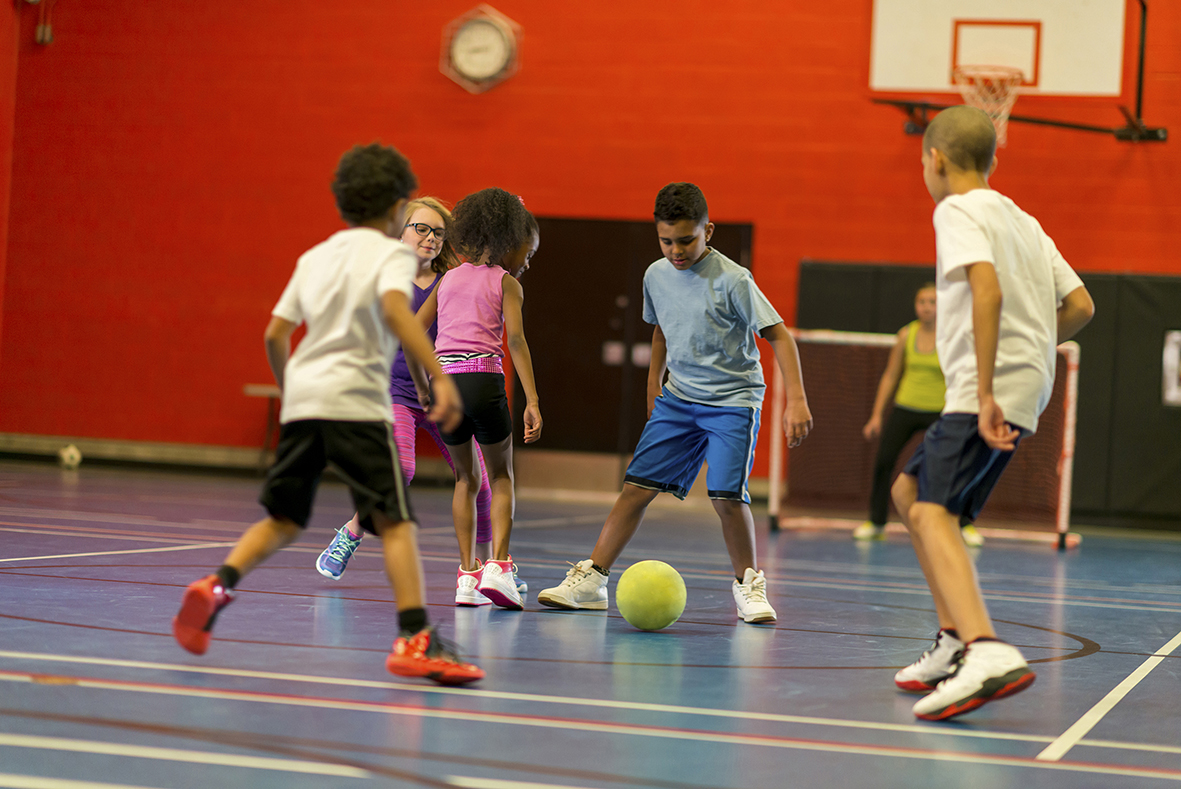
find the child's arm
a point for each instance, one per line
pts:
(422, 383)
(986, 325)
(277, 339)
(447, 407)
(1076, 312)
(886, 387)
(797, 419)
(514, 328)
(657, 364)
(429, 310)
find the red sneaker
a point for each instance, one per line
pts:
(426, 654)
(198, 608)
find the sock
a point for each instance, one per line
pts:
(951, 632)
(600, 570)
(228, 576)
(412, 620)
(986, 639)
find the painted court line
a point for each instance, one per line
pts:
(178, 755)
(11, 781)
(117, 553)
(581, 728)
(465, 782)
(575, 701)
(1071, 737)
(469, 692)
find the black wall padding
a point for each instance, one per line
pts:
(1146, 435)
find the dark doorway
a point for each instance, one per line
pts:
(584, 322)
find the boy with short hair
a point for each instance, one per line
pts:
(706, 310)
(353, 292)
(1006, 298)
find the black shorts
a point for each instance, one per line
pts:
(485, 409)
(361, 453)
(954, 467)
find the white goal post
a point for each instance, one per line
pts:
(828, 383)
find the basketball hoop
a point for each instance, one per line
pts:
(992, 89)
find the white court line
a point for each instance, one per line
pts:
(567, 701)
(581, 728)
(564, 701)
(117, 553)
(1071, 737)
(178, 755)
(466, 782)
(11, 781)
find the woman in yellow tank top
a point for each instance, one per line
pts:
(915, 380)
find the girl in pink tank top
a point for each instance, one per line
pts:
(477, 304)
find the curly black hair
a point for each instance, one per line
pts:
(679, 201)
(369, 180)
(491, 221)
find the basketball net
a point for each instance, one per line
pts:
(992, 89)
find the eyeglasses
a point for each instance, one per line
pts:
(423, 229)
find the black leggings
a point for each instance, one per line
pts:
(900, 426)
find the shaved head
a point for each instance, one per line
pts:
(965, 135)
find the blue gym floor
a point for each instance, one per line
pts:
(293, 691)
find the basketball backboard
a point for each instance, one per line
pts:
(1063, 47)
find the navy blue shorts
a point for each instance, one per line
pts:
(680, 436)
(954, 467)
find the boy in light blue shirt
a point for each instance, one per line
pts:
(706, 310)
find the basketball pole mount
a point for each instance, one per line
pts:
(918, 112)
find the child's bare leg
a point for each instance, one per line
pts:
(738, 529)
(260, 541)
(483, 551)
(904, 492)
(498, 460)
(463, 502)
(621, 525)
(945, 562)
(399, 546)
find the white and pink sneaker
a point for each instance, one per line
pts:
(499, 584)
(466, 587)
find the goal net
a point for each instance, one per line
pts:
(831, 470)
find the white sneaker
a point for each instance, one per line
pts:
(751, 598)
(972, 538)
(466, 592)
(988, 670)
(936, 664)
(498, 584)
(870, 531)
(584, 587)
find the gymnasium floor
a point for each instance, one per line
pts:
(293, 691)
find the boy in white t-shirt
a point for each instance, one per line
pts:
(353, 292)
(1005, 299)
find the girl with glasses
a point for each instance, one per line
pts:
(426, 232)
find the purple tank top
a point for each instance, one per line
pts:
(471, 315)
(401, 384)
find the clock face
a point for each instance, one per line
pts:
(481, 49)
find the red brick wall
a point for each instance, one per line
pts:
(171, 160)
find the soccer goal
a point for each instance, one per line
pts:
(831, 469)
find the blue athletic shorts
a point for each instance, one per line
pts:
(680, 436)
(954, 467)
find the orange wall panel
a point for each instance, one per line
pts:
(171, 161)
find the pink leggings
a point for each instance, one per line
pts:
(406, 423)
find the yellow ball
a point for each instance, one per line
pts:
(650, 595)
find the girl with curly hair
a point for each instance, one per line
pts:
(478, 304)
